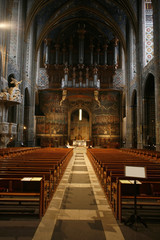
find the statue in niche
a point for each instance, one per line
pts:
(14, 91)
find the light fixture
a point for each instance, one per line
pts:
(80, 114)
(24, 127)
(4, 25)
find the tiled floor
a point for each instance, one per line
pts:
(79, 209)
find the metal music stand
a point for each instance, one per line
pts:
(136, 172)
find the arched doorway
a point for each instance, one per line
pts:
(134, 119)
(12, 110)
(149, 112)
(26, 117)
(123, 120)
(79, 129)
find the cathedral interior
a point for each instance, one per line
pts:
(83, 73)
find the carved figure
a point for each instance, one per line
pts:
(96, 93)
(64, 95)
(15, 94)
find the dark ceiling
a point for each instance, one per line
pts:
(104, 18)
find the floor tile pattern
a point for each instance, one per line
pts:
(79, 209)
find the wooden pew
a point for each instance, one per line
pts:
(126, 196)
(48, 164)
(20, 191)
(109, 167)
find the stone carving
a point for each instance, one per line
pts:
(15, 94)
(96, 93)
(8, 96)
(4, 95)
(64, 95)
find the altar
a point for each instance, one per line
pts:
(79, 143)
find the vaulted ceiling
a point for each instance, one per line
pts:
(104, 18)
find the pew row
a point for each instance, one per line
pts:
(45, 164)
(109, 166)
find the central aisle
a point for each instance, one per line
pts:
(79, 209)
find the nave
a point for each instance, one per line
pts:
(79, 209)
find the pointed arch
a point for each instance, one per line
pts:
(149, 112)
(134, 119)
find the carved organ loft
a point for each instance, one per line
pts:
(80, 58)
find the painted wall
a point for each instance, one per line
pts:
(79, 129)
(55, 116)
(106, 118)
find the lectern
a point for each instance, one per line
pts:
(136, 173)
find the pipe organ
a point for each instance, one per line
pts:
(81, 60)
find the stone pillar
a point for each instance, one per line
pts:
(139, 65)
(20, 32)
(156, 25)
(81, 33)
(32, 77)
(21, 61)
(4, 38)
(128, 78)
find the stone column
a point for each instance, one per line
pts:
(21, 61)
(128, 78)
(5, 16)
(156, 25)
(32, 77)
(139, 68)
(20, 33)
